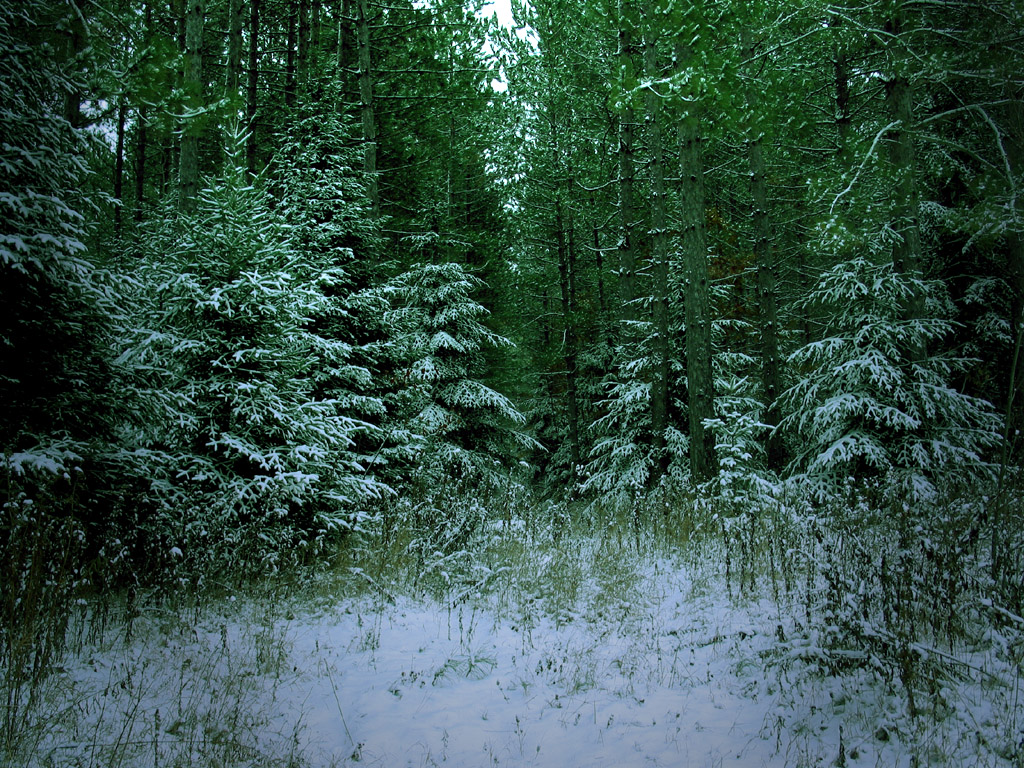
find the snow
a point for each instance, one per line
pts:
(658, 668)
(465, 689)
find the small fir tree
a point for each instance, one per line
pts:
(867, 402)
(251, 453)
(446, 421)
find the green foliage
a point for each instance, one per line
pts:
(622, 462)
(449, 422)
(57, 304)
(247, 433)
(872, 398)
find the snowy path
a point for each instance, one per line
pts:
(664, 684)
(664, 671)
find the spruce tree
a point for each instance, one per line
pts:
(250, 447)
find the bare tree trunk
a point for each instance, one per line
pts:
(659, 256)
(188, 165)
(907, 251)
(172, 147)
(366, 99)
(602, 300)
(290, 65)
(304, 40)
(699, 375)
(234, 74)
(252, 89)
(119, 165)
(77, 39)
(344, 34)
(316, 63)
(142, 131)
(764, 258)
(841, 75)
(141, 142)
(627, 206)
(566, 282)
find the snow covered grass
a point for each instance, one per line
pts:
(501, 643)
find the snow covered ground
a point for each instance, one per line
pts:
(633, 664)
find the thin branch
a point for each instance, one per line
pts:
(864, 162)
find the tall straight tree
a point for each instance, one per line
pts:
(764, 259)
(907, 254)
(188, 168)
(252, 86)
(369, 120)
(659, 256)
(699, 376)
(627, 205)
(234, 69)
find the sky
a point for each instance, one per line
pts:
(502, 9)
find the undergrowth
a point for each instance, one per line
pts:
(868, 593)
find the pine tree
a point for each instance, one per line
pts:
(250, 447)
(449, 425)
(54, 299)
(867, 403)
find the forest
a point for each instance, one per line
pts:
(574, 314)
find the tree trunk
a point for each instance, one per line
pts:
(77, 39)
(570, 354)
(344, 35)
(141, 142)
(659, 256)
(907, 250)
(188, 163)
(627, 207)
(841, 75)
(290, 65)
(366, 100)
(317, 67)
(699, 375)
(304, 40)
(602, 300)
(234, 74)
(119, 166)
(252, 89)
(142, 131)
(764, 258)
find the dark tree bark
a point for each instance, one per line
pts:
(764, 258)
(659, 256)
(234, 72)
(699, 375)
(841, 76)
(141, 143)
(627, 206)
(252, 89)
(315, 26)
(302, 68)
(602, 299)
(142, 133)
(290, 55)
(188, 164)
(566, 281)
(367, 106)
(899, 94)
(77, 35)
(122, 111)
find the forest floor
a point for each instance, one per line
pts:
(591, 651)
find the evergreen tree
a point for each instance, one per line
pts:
(449, 425)
(867, 403)
(249, 437)
(53, 363)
